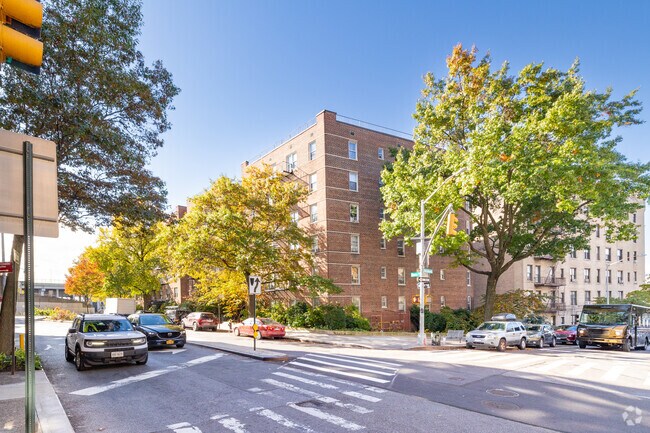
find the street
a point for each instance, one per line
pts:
(325, 388)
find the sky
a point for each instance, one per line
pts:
(251, 73)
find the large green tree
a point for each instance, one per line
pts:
(245, 227)
(541, 166)
(103, 106)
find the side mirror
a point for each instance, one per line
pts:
(72, 331)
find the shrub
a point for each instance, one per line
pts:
(61, 314)
(5, 361)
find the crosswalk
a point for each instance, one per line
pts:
(320, 394)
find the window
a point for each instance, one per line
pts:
(355, 274)
(628, 277)
(620, 294)
(468, 278)
(598, 275)
(587, 255)
(529, 272)
(608, 276)
(628, 256)
(313, 182)
(635, 276)
(354, 244)
(561, 272)
(352, 150)
(608, 254)
(401, 303)
(587, 297)
(314, 244)
(598, 294)
(356, 301)
(442, 275)
(382, 272)
(572, 253)
(401, 277)
(562, 297)
(312, 150)
(572, 274)
(634, 256)
(587, 274)
(313, 212)
(382, 214)
(634, 217)
(597, 231)
(292, 162)
(380, 153)
(382, 243)
(354, 213)
(619, 254)
(597, 253)
(442, 301)
(538, 274)
(295, 216)
(619, 277)
(353, 181)
(400, 247)
(384, 302)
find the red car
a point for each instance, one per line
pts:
(566, 334)
(268, 328)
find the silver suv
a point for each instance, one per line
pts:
(96, 339)
(502, 331)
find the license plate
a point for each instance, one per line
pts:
(170, 342)
(117, 354)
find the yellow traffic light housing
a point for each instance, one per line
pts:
(20, 31)
(452, 224)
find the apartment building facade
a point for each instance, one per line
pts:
(340, 161)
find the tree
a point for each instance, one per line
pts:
(228, 291)
(84, 279)
(103, 107)
(245, 227)
(131, 258)
(542, 168)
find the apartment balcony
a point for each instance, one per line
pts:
(544, 257)
(551, 282)
(554, 307)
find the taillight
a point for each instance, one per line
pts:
(199, 321)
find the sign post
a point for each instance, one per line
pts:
(254, 288)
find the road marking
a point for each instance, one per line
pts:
(613, 373)
(350, 367)
(285, 422)
(233, 424)
(344, 373)
(516, 363)
(307, 381)
(336, 379)
(579, 370)
(346, 359)
(647, 380)
(392, 364)
(184, 427)
(254, 389)
(361, 396)
(332, 419)
(317, 396)
(550, 366)
(48, 347)
(144, 376)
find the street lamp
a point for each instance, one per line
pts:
(607, 276)
(423, 252)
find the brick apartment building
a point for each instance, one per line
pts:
(340, 160)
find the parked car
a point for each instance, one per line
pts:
(96, 339)
(199, 321)
(502, 331)
(268, 328)
(540, 335)
(176, 313)
(160, 331)
(566, 334)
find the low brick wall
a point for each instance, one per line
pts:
(50, 302)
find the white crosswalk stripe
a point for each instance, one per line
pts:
(579, 370)
(184, 427)
(332, 419)
(647, 381)
(305, 380)
(336, 380)
(613, 373)
(361, 396)
(380, 372)
(344, 373)
(550, 366)
(349, 367)
(283, 421)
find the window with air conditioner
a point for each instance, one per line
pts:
(355, 274)
(384, 302)
(354, 213)
(380, 153)
(401, 277)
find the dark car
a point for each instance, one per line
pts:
(540, 335)
(160, 331)
(566, 334)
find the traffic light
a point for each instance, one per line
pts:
(452, 224)
(19, 34)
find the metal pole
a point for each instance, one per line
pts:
(28, 225)
(606, 282)
(421, 272)
(255, 331)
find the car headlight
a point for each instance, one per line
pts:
(183, 332)
(138, 341)
(95, 343)
(151, 334)
(619, 332)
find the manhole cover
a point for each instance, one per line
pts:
(311, 403)
(499, 405)
(502, 393)
(456, 378)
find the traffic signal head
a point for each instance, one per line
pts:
(452, 224)
(20, 31)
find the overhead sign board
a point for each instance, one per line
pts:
(46, 199)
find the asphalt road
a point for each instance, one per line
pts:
(328, 389)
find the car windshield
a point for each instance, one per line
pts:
(207, 316)
(269, 322)
(603, 317)
(110, 325)
(534, 327)
(572, 328)
(492, 326)
(154, 320)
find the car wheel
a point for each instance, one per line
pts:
(468, 346)
(541, 343)
(237, 332)
(502, 345)
(522, 344)
(553, 342)
(143, 361)
(215, 329)
(195, 327)
(627, 344)
(68, 356)
(79, 361)
(581, 344)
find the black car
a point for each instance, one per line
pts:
(160, 331)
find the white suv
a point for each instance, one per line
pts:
(502, 331)
(96, 339)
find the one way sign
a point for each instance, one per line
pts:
(254, 285)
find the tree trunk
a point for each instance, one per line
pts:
(490, 293)
(9, 298)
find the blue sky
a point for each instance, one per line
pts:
(253, 72)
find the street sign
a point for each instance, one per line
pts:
(423, 279)
(254, 285)
(428, 271)
(6, 267)
(415, 274)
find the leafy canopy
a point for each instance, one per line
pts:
(84, 279)
(541, 165)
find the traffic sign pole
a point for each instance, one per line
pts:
(254, 288)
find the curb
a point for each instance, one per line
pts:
(262, 355)
(49, 411)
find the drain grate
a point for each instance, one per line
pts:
(502, 393)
